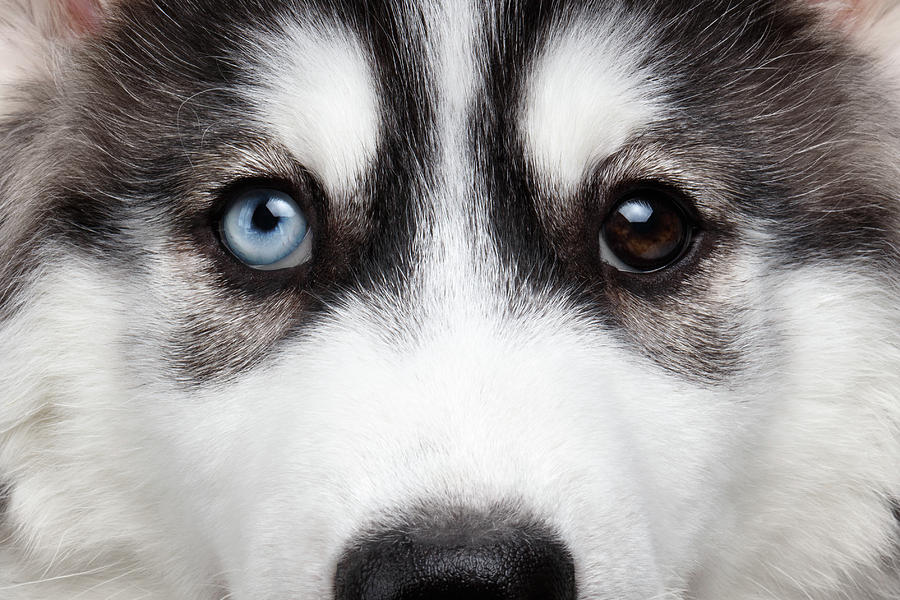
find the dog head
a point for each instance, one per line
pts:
(527, 300)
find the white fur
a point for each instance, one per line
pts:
(24, 51)
(320, 101)
(881, 38)
(810, 511)
(641, 474)
(585, 97)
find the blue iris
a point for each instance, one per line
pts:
(265, 229)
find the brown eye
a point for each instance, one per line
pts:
(646, 231)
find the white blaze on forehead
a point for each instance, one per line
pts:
(455, 251)
(453, 35)
(586, 95)
(318, 96)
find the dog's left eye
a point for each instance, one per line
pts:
(266, 230)
(648, 230)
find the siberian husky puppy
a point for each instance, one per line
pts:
(507, 300)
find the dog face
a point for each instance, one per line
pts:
(525, 300)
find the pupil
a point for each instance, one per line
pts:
(654, 234)
(263, 219)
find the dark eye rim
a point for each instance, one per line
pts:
(633, 190)
(310, 198)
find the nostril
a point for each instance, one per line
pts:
(446, 563)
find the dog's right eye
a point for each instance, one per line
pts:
(266, 230)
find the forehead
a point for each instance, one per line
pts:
(565, 83)
(332, 83)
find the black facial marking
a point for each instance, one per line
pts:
(520, 235)
(764, 119)
(19, 246)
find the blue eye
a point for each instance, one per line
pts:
(266, 230)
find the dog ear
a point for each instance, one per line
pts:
(881, 34)
(34, 34)
(850, 16)
(52, 20)
(874, 25)
(80, 17)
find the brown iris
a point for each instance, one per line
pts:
(645, 232)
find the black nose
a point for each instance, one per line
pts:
(457, 560)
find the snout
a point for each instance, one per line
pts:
(475, 558)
